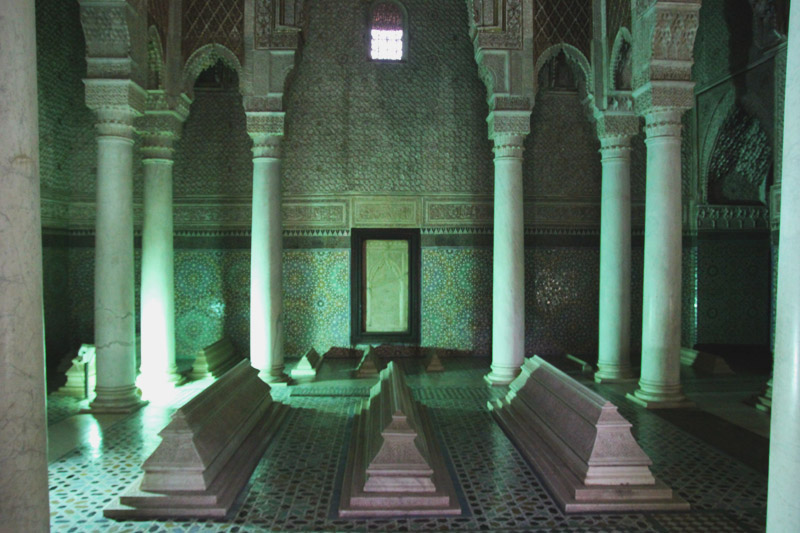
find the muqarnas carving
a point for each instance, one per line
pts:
(208, 452)
(579, 445)
(394, 464)
(741, 161)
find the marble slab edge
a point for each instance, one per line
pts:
(217, 500)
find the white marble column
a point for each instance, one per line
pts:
(24, 500)
(158, 369)
(614, 358)
(114, 306)
(508, 266)
(783, 507)
(659, 384)
(266, 288)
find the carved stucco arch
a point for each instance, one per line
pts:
(725, 103)
(573, 54)
(623, 37)
(155, 59)
(204, 57)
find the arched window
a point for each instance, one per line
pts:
(387, 32)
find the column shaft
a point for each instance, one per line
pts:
(24, 501)
(615, 262)
(783, 508)
(158, 368)
(659, 384)
(508, 267)
(266, 288)
(114, 305)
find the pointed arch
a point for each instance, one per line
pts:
(573, 54)
(621, 61)
(155, 59)
(205, 57)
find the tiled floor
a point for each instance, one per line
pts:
(294, 487)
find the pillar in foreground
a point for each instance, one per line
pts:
(614, 341)
(783, 507)
(659, 384)
(266, 289)
(158, 371)
(508, 260)
(24, 500)
(114, 305)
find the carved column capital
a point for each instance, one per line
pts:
(615, 147)
(266, 131)
(508, 145)
(616, 124)
(159, 130)
(115, 103)
(663, 122)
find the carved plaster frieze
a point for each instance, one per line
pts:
(265, 122)
(55, 213)
(115, 93)
(664, 35)
(105, 28)
(509, 123)
(325, 214)
(732, 217)
(386, 211)
(616, 124)
(656, 95)
(458, 212)
(115, 33)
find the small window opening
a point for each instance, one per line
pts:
(386, 32)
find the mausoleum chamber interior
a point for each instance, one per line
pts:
(319, 188)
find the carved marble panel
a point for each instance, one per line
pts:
(386, 273)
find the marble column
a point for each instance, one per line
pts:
(508, 266)
(114, 306)
(266, 288)
(24, 500)
(659, 384)
(158, 368)
(783, 507)
(614, 358)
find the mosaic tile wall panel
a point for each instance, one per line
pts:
(212, 298)
(733, 283)
(316, 287)
(357, 125)
(561, 301)
(213, 155)
(457, 298)
(561, 152)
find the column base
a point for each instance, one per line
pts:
(614, 375)
(274, 378)
(665, 400)
(122, 400)
(501, 376)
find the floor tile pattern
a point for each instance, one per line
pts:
(294, 487)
